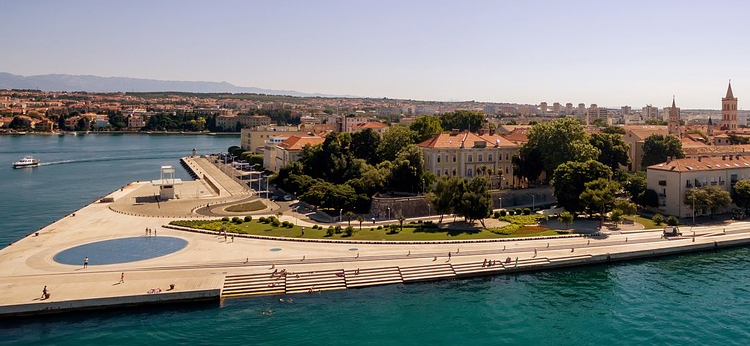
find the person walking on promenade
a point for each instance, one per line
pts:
(44, 292)
(85, 263)
(122, 278)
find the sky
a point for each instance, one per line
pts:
(611, 53)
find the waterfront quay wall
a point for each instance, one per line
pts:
(207, 295)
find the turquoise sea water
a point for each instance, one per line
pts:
(690, 299)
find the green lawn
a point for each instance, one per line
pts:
(246, 207)
(410, 231)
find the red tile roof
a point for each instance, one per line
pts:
(299, 142)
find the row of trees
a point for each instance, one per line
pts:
(466, 198)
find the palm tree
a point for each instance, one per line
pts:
(360, 219)
(401, 220)
(349, 215)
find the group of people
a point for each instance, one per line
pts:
(154, 291)
(489, 263)
(149, 231)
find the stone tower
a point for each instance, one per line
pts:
(674, 120)
(710, 127)
(729, 110)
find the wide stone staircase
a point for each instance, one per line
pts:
(427, 272)
(253, 285)
(306, 282)
(372, 277)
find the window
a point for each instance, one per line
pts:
(489, 157)
(471, 158)
(454, 158)
(438, 158)
(468, 172)
(506, 156)
(479, 157)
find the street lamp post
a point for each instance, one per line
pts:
(295, 215)
(389, 213)
(341, 214)
(693, 209)
(501, 202)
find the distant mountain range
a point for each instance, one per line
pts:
(66, 82)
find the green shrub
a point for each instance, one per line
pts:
(518, 211)
(511, 212)
(225, 219)
(658, 219)
(262, 220)
(286, 224)
(672, 220)
(496, 215)
(315, 227)
(503, 213)
(526, 211)
(393, 229)
(349, 231)
(275, 223)
(380, 227)
(330, 231)
(248, 218)
(338, 229)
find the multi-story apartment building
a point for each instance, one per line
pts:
(672, 179)
(229, 122)
(254, 138)
(290, 150)
(468, 155)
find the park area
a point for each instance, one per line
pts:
(449, 229)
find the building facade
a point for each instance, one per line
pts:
(672, 179)
(468, 155)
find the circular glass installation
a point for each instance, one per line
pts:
(121, 250)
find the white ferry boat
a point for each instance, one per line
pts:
(26, 161)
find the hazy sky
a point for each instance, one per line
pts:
(611, 53)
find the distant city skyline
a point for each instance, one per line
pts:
(612, 54)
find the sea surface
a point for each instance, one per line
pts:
(697, 299)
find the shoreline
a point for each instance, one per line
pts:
(212, 268)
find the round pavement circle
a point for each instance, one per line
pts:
(122, 250)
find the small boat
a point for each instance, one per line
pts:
(26, 161)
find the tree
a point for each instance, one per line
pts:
(394, 140)
(349, 214)
(408, 173)
(443, 196)
(615, 216)
(614, 130)
(20, 122)
(560, 141)
(528, 163)
(401, 220)
(711, 198)
(625, 206)
(742, 194)
(425, 127)
(613, 151)
(566, 218)
(658, 148)
(117, 120)
(599, 195)
(360, 219)
(365, 145)
(635, 186)
(462, 120)
(475, 202)
(569, 182)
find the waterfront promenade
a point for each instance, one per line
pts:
(212, 266)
